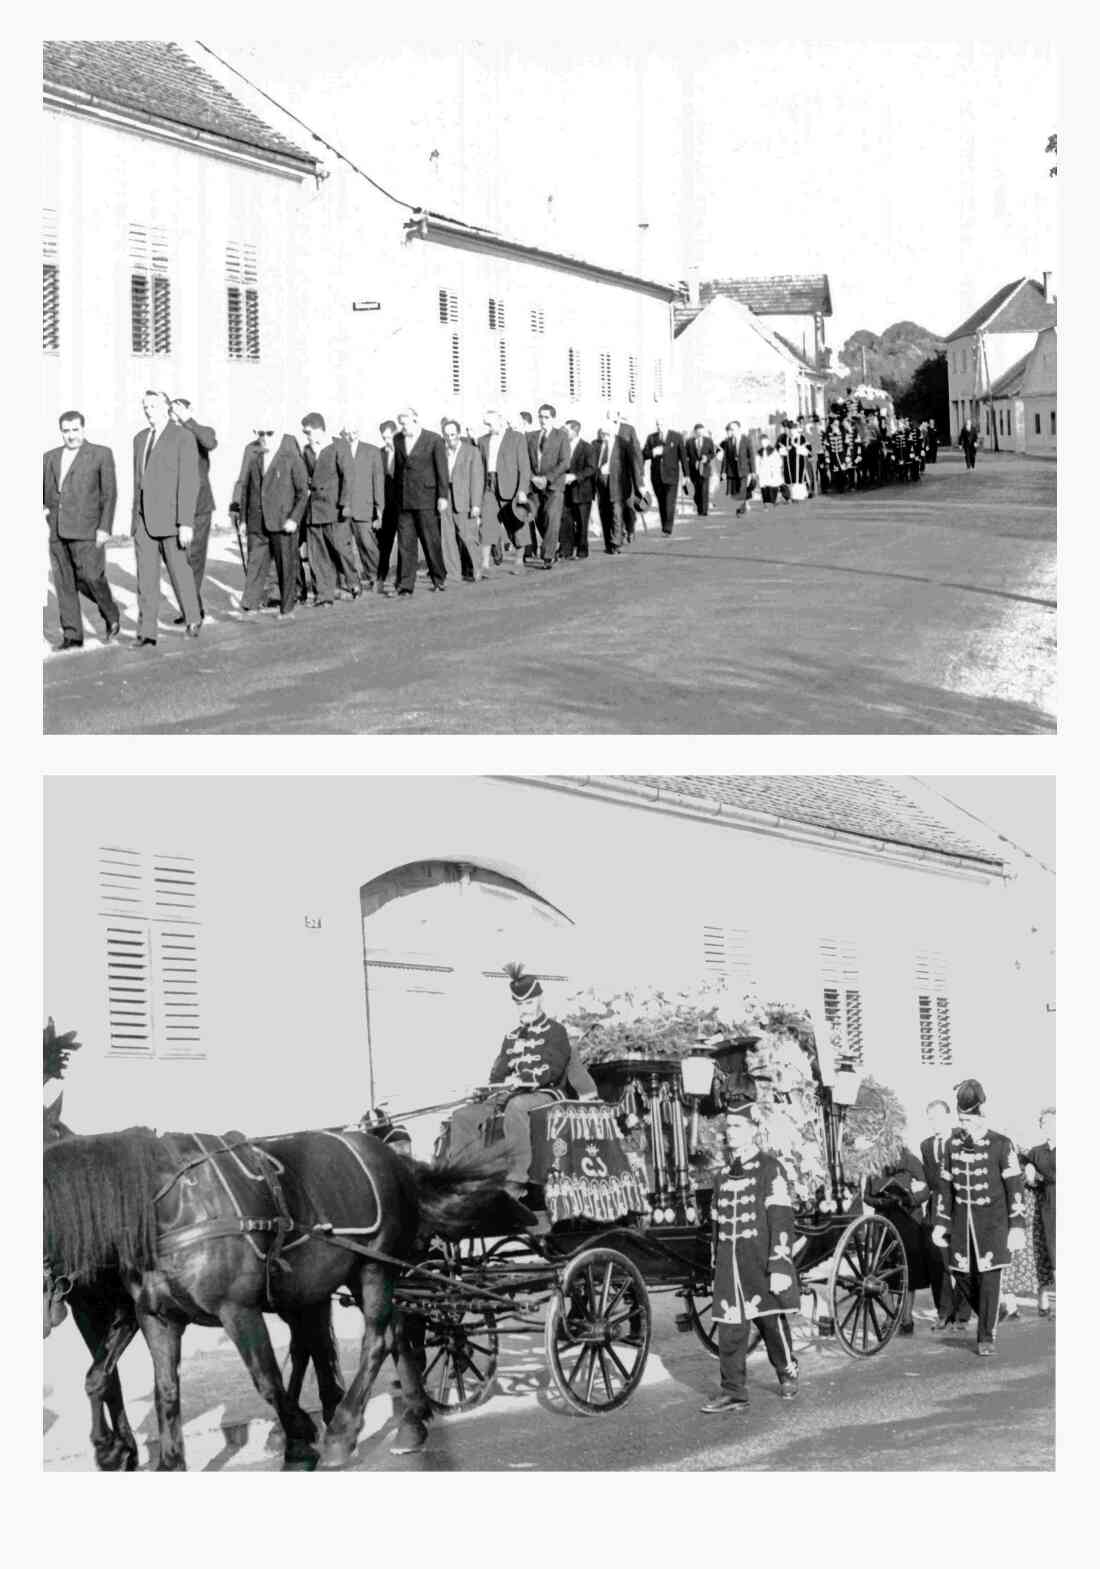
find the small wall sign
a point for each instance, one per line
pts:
(313, 923)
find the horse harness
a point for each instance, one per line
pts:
(278, 1227)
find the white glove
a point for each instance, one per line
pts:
(289, 526)
(939, 1237)
(778, 1282)
(101, 538)
(1016, 1239)
(187, 534)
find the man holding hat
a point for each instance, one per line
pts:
(531, 1070)
(504, 507)
(980, 1213)
(755, 1280)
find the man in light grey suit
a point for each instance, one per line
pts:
(461, 526)
(166, 488)
(368, 500)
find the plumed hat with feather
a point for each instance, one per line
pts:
(522, 986)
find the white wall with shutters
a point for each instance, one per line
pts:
(931, 979)
(842, 991)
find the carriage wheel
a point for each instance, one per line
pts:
(598, 1329)
(867, 1285)
(699, 1295)
(460, 1350)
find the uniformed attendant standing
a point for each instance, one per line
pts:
(755, 1280)
(533, 1061)
(980, 1214)
(1042, 1171)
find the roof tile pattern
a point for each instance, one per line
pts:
(159, 78)
(786, 294)
(1007, 311)
(855, 804)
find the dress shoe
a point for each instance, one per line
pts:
(386, 593)
(112, 631)
(404, 593)
(438, 588)
(723, 1403)
(322, 604)
(788, 1388)
(285, 615)
(145, 642)
(181, 621)
(68, 642)
(192, 629)
(907, 1329)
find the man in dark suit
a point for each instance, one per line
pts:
(507, 482)
(619, 478)
(952, 1308)
(422, 485)
(205, 440)
(166, 488)
(368, 501)
(968, 441)
(700, 457)
(730, 471)
(548, 450)
(387, 533)
(271, 495)
(330, 545)
(746, 466)
(580, 491)
(664, 452)
(79, 492)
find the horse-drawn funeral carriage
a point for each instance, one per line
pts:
(150, 1233)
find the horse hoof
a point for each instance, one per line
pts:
(300, 1463)
(409, 1439)
(334, 1457)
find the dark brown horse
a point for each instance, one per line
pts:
(156, 1233)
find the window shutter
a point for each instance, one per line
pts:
(503, 367)
(150, 291)
(658, 379)
(574, 373)
(538, 320)
(933, 1009)
(150, 909)
(129, 986)
(605, 376)
(496, 315)
(631, 379)
(456, 364)
(843, 997)
(448, 307)
(727, 952)
(51, 285)
(242, 302)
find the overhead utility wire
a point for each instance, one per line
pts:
(1004, 838)
(335, 151)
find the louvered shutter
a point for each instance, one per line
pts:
(51, 285)
(150, 908)
(933, 1008)
(129, 986)
(448, 307)
(150, 291)
(574, 373)
(843, 996)
(727, 953)
(503, 367)
(242, 302)
(631, 379)
(456, 364)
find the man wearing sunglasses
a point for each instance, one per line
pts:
(271, 496)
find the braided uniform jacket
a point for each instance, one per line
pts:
(754, 1236)
(536, 1054)
(981, 1196)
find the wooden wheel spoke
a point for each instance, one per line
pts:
(472, 1365)
(605, 1288)
(847, 1319)
(442, 1352)
(475, 1345)
(872, 1313)
(611, 1352)
(619, 1294)
(605, 1376)
(459, 1384)
(585, 1352)
(624, 1317)
(591, 1375)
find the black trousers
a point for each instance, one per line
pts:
(700, 484)
(574, 528)
(951, 1304)
(79, 567)
(196, 555)
(262, 549)
(733, 1346)
(981, 1290)
(666, 504)
(331, 544)
(366, 539)
(420, 524)
(548, 522)
(387, 535)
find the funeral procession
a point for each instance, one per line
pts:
(519, 1158)
(360, 418)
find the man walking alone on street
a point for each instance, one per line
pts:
(968, 441)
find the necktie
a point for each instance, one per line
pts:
(542, 444)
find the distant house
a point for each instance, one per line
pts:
(793, 305)
(728, 364)
(990, 343)
(1022, 412)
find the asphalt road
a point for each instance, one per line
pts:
(922, 1404)
(924, 609)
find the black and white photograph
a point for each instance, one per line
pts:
(697, 380)
(460, 1147)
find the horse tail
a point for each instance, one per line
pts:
(98, 1209)
(456, 1196)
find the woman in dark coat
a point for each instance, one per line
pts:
(1041, 1173)
(900, 1194)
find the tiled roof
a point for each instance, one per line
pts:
(787, 294)
(1009, 311)
(857, 805)
(1011, 381)
(683, 316)
(159, 81)
(803, 359)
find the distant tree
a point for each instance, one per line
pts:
(926, 395)
(1052, 148)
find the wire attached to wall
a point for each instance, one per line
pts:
(335, 151)
(1004, 838)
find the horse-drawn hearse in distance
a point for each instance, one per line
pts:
(149, 1233)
